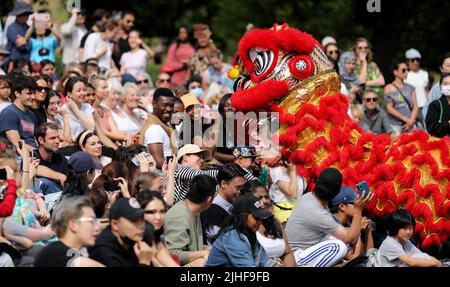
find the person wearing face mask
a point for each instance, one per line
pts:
(122, 243)
(438, 115)
(435, 92)
(194, 86)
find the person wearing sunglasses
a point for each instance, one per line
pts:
(163, 81)
(400, 100)
(375, 120)
(77, 227)
(40, 96)
(417, 77)
(332, 51)
(365, 65)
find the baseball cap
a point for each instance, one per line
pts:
(413, 54)
(128, 208)
(328, 40)
(21, 8)
(249, 204)
(81, 161)
(193, 149)
(346, 195)
(245, 152)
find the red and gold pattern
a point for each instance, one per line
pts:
(412, 172)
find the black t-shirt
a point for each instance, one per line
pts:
(40, 115)
(124, 47)
(58, 162)
(57, 254)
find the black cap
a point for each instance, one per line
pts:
(247, 203)
(128, 208)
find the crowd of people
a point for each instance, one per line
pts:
(99, 166)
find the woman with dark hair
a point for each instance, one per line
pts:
(80, 115)
(237, 244)
(81, 174)
(155, 210)
(400, 100)
(58, 116)
(178, 56)
(89, 142)
(270, 234)
(226, 140)
(438, 115)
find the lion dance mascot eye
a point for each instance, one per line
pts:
(285, 70)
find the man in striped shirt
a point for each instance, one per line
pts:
(190, 159)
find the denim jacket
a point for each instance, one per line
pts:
(233, 249)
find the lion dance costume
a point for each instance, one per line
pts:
(285, 70)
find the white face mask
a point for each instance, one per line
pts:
(445, 89)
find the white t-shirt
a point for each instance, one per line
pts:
(95, 44)
(4, 105)
(134, 62)
(419, 80)
(156, 134)
(125, 123)
(279, 173)
(75, 125)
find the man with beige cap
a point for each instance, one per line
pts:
(190, 159)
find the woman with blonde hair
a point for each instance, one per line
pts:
(366, 64)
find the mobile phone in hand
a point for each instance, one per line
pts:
(169, 158)
(112, 185)
(2, 173)
(20, 144)
(363, 189)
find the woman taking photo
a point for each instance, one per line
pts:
(400, 101)
(155, 210)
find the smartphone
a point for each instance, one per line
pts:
(135, 161)
(112, 185)
(363, 188)
(148, 233)
(169, 158)
(40, 20)
(20, 144)
(31, 153)
(2, 173)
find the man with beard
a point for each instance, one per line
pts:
(121, 45)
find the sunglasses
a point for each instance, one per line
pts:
(43, 89)
(403, 70)
(415, 60)
(371, 100)
(363, 48)
(333, 52)
(142, 82)
(164, 80)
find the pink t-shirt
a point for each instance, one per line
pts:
(134, 62)
(175, 58)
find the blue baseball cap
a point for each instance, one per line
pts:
(346, 195)
(81, 162)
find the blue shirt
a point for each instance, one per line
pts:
(50, 43)
(25, 123)
(13, 31)
(233, 249)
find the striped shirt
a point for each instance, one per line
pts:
(185, 174)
